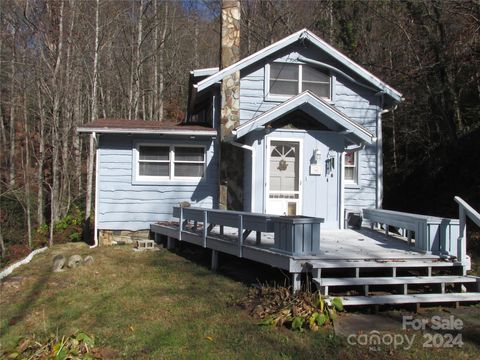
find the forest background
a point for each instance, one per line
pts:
(65, 63)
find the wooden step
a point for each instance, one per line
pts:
(410, 299)
(329, 264)
(394, 280)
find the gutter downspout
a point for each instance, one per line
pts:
(380, 156)
(95, 226)
(249, 148)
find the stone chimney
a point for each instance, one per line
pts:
(230, 54)
(230, 157)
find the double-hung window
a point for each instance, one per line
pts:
(169, 162)
(188, 161)
(291, 79)
(351, 167)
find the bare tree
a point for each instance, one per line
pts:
(94, 115)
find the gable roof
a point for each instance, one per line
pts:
(303, 34)
(310, 103)
(124, 126)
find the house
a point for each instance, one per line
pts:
(292, 129)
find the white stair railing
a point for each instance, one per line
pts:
(464, 210)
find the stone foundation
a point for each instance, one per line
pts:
(121, 237)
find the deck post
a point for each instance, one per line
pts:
(461, 245)
(205, 228)
(157, 237)
(296, 282)
(180, 227)
(214, 265)
(240, 236)
(170, 243)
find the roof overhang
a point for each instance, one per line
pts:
(319, 109)
(204, 72)
(301, 35)
(144, 127)
(146, 131)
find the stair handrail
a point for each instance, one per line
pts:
(464, 210)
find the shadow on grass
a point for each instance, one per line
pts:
(28, 301)
(242, 270)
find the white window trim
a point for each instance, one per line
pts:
(171, 160)
(352, 183)
(277, 97)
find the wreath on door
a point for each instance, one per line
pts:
(282, 165)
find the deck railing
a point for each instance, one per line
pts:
(432, 234)
(293, 235)
(245, 223)
(465, 210)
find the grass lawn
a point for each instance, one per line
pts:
(161, 305)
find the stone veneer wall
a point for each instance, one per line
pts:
(230, 54)
(231, 158)
(121, 237)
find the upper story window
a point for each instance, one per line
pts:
(169, 162)
(351, 167)
(291, 79)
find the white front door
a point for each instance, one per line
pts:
(283, 196)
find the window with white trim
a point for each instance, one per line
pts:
(292, 79)
(170, 162)
(351, 167)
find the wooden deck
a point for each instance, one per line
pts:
(396, 263)
(347, 244)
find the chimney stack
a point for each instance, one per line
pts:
(230, 157)
(230, 54)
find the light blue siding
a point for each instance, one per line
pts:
(359, 104)
(125, 205)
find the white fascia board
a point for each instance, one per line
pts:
(148, 131)
(302, 34)
(204, 72)
(297, 102)
(360, 70)
(202, 85)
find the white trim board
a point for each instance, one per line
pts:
(301, 35)
(146, 131)
(297, 102)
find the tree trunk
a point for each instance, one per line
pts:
(11, 173)
(56, 88)
(40, 160)
(2, 243)
(67, 123)
(161, 77)
(26, 173)
(91, 151)
(138, 73)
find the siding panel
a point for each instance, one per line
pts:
(124, 205)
